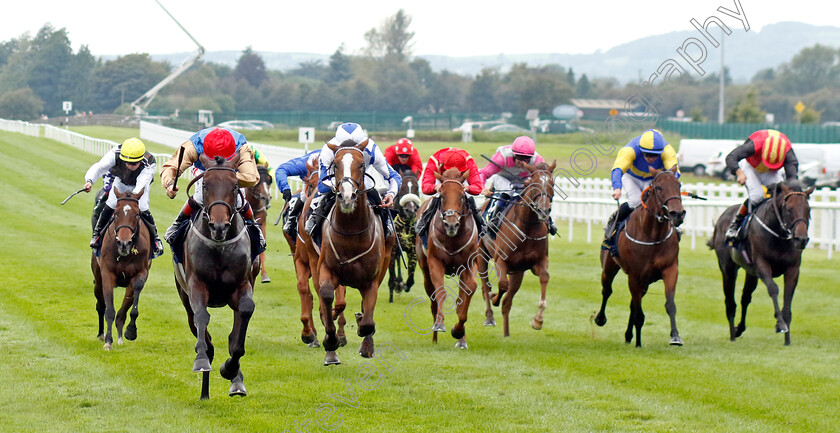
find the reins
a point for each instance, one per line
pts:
(786, 229)
(661, 218)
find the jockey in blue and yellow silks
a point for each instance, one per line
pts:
(293, 167)
(631, 171)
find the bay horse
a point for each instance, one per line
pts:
(777, 232)
(123, 262)
(354, 250)
(259, 197)
(521, 245)
(406, 202)
(217, 270)
(453, 241)
(648, 251)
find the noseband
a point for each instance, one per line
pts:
(787, 229)
(452, 212)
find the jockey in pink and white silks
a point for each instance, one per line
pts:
(509, 175)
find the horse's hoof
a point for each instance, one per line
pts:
(201, 365)
(438, 327)
(359, 317)
(307, 338)
(119, 341)
(101, 337)
(601, 319)
(342, 341)
(107, 346)
(781, 329)
(489, 321)
(676, 341)
(131, 333)
(237, 385)
(536, 324)
(366, 349)
(265, 280)
(331, 358)
(314, 343)
(461, 344)
(227, 372)
(496, 298)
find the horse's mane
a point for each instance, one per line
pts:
(348, 143)
(542, 165)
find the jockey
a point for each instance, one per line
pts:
(631, 171)
(510, 174)
(374, 160)
(404, 156)
(133, 169)
(293, 167)
(756, 164)
(441, 161)
(211, 142)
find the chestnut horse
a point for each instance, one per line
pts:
(453, 240)
(521, 245)
(648, 251)
(259, 197)
(776, 235)
(123, 261)
(354, 250)
(406, 202)
(218, 270)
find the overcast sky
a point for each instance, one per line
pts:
(452, 27)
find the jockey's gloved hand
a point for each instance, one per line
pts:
(287, 194)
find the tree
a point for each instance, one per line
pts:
(125, 79)
(482, 94)
(251, 68)
(809, 115)
(583, 88)
(21, 104)
(392, 39)
(570, 77)
(310, 69)
(339, 67)
(746, 110)
(811, 69)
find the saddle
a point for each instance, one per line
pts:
(610, 242)
(494, 224)
(177, 245)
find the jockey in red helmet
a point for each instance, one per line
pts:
(441, 161)
(404, 156)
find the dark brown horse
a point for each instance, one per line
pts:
(218, 270)
(776, 235)
(259, 197)
(354, 250)
(407, 202)
(453, 241)
(648, 251)
(124, 262)
(521, 244)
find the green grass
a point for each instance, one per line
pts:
(571, 376)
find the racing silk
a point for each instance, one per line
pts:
(246, 171)
(435, 165)
(631, 161)
(294, 167)
(374, 160)
(504, 157)
(764, 142)
(112, 164)
(197, 140)
(414, 162)
(259, 158)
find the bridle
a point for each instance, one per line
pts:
(787, 229)
(452, 212)
(134, 229)
(357, 186)
(256, 191)
(665, 216)
(232, 211)
(533, 200)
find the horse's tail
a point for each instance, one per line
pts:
(711, 242)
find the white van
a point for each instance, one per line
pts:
(694, 154)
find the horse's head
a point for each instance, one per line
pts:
(664, 194)
(262, 190)
(453, 199)
(349, 165)
(127, 221)
(408, 198)
(220, 190)
(311, 183)
(792, 204)
(539, 189)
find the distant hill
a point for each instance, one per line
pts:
(745, 54)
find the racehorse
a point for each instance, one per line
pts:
(776, 233)
(521, 244)
(259, 197)
(217, 270)
(354, 250)
(407, 202)
(648, 250)
(453, 239)
(123, 261)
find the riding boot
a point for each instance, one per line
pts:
(620, 215)
(248, 215)
(101, 199)
(320, 213)
(479, 221)
(384, 213)
(424, 220)
(552, 229)
(735, 225)
(295, 207)
(104, 219)
(189, 207)
(150, 223)
(498, 211)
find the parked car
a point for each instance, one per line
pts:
(694, 155)
(507, 127)
(560, 127)
(247, 125)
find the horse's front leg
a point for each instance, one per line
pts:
(750, 284)
(412, 265)
(366, 324)
(669, 277)
(482, 264)
(392, 279)
(308, 334)
(243, 309)
(791, 279)
(637, 316)
(609, 270)
(504, 283)
(466, 289)
(438, 297)
(338, 314)
(199, 297)
(765, 272)
(507, 303)
(327, 283)
(137, 286)
(100, 300)
(541, 270)
(108, 282)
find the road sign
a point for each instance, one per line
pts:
(306, 135)
(67, 106)
(799, 107)
(613, 112)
